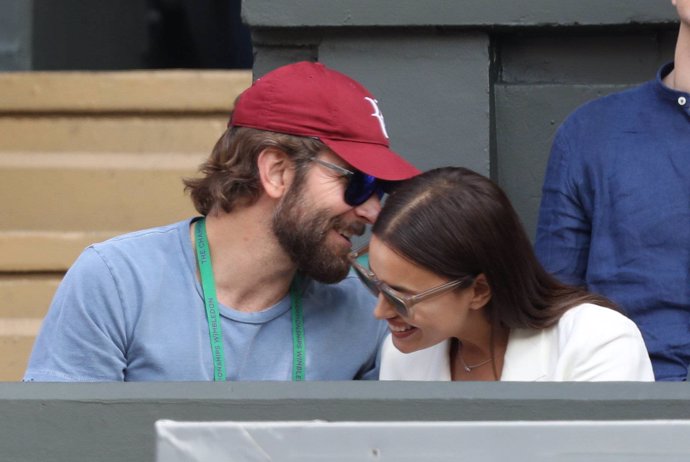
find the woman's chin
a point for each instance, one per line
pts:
(412, 340)
(405, 341)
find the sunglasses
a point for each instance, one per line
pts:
(360, 186)
(403, 303)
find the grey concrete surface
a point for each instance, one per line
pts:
(466, 13)
(115, 421)
(15, 35)
(484, 84)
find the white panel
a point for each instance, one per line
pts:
(583, 441)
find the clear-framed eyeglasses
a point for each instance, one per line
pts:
(403, 303)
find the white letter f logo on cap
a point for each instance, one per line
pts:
(377, 114)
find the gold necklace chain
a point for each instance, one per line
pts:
(470, 367)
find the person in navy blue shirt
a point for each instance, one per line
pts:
(615, 210)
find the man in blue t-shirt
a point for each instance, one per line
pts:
(258, 286)
(615, 211)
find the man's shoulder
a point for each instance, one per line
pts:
(146, 234)
(149, 249)
(144, 241)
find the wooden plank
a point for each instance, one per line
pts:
(130, 134)
(173, 161)
(93, 192)
(25, 297)
(14, 356)
(45, 251)
(58, 203)
(24, 300)
(39, 160)
(19, 327)
(131, 91)
(87, 156)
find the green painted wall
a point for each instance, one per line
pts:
(479, 84)
(544, 75)
(464, 13)
(15, 35)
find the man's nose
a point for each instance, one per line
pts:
(369, 209)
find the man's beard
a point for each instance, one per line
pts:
(302, 230)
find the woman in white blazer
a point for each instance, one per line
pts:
(466, 299)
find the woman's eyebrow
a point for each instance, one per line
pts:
(401, 289)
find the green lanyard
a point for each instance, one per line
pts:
(208, 285)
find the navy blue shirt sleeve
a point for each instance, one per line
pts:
(563, 230)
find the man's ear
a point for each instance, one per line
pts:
(275, 171)
(481, 292)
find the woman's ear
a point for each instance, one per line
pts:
(481, 292)
(275, 171)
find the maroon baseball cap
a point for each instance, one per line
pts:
(309, 99)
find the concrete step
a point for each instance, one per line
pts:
(93, 192)
(24, 302)
(87, 156)
(130, 91)
(127, 133)
(158, 111)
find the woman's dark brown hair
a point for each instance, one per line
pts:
(455, 222)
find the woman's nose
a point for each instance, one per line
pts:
(383, 309)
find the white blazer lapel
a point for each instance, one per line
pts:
(434, 362)
(528, 356)
(431, 363)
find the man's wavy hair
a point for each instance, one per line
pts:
(230, 174)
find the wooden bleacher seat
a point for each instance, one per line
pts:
(85, 156)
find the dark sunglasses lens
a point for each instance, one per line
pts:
(360, 188)
(398, 304)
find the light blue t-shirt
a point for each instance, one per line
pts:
(131, 309)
